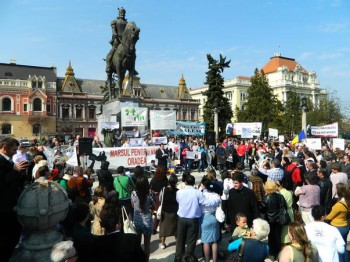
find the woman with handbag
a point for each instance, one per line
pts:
(142, 202)
(288, 197)
(274, 203)
(210, 227)
(157, 183)
(168, 219)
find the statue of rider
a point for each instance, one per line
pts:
(118, 26)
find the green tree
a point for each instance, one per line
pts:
(291, 117)
(261, 104)
(215, 83)
(328, 111)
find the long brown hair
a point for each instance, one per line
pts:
(298, 233)
(142, 190)
(343, 192)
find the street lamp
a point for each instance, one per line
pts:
(304, 109)
(216, 120)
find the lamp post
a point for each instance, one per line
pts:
(304, 109)
(216, 119)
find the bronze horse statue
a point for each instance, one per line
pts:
(124, 59)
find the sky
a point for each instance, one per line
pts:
(177, 35)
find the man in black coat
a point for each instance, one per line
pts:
(162, 156)
(241, 200)
(325, 189)
(11, 185)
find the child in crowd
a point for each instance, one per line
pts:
(242, 229)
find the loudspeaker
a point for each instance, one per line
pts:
(85, 146)
(210, 138)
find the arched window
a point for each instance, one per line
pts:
(6, 104)
(37, 104)
(36, 129)
(6, 129)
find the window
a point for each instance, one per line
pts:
(92, 112)
(6, 104)
(40, 84)
(193, 114)
(48, 108)
(65, 112)
(6, 129)
(25, 107)
(33, 84)
(78, 112)
(37, 105)
(36, 129)
(184, 114)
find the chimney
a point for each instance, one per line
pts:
(13, 61)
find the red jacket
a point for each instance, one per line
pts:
(296, 177)
(241, 149)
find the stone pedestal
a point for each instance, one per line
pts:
(40, 207)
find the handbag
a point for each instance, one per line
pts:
(159, 210)
(219, 214)
(237, 256)
(128, 225)
(284, 218)
(129, 188)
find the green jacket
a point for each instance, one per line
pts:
(124, 186)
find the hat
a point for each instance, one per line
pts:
(67, 177)
(42, 163)
(62, 251)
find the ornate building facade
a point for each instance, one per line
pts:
(284, 75)
(77, 101)
(27, 100)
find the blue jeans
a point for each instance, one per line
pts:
(344, 233)
(200, 165)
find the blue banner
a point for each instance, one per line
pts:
(188, 129)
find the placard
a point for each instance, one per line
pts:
(134, 116)
(273, 132)
(339, 143)
(163, 119)
(325, 131)
(314, 143)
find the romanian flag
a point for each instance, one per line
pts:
(299, 137)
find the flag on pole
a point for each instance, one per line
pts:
(299, 137)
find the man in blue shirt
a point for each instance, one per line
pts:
(189, 212)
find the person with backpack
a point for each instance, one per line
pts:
(291, 174)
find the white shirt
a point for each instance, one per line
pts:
(18, 157)
(327, 239)
(337, 178)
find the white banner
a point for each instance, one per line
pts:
(327, 130)
(314, 143)
(246, 130)
(339, 143)
(281, 138)
(193, 154)
(126, 156)
(163, 120)
(273, 132)
(136, 141)
(134, 116)
(160, 140)
(110, 125)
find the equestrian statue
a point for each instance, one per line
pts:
(122, 56)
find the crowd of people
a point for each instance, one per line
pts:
(252, 182)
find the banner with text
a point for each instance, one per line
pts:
(325, 131)
(126, 156)
(136, 141)
(160, 140)
(163, 120)
(245, 130)
(134, 116)
(188, 129)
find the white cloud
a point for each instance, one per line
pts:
(334, 27)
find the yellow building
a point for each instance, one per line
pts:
(284, 75)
